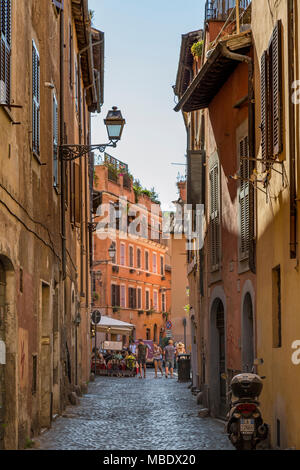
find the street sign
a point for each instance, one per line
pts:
(96, 317)
(169, 325)
(169, 334)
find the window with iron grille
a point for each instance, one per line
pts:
(35, 100)
(244, 194)
(214, 218)
(5, 62)
(55, 140)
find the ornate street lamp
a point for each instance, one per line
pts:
(114, 123)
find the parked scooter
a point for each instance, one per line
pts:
(245, 426)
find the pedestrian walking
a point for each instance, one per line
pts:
(142, 354)
(169, 355)
(157, 358)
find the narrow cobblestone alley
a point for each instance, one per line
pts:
(129, 413)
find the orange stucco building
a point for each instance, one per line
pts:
(135, 285)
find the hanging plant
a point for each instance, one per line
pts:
(197, 48)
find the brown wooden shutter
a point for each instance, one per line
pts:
(276, 83)
(77, 193)
(214, 218)
(35, 99)
(72, 191)
(264, 93)
(244, 199)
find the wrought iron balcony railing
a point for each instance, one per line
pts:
(221, 9)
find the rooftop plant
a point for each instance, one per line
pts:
(197, 49)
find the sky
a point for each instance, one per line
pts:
(142, 46)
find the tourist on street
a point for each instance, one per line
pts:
(157, 357)
(169, 355)
(142, 354)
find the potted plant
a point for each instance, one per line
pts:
(197, 49)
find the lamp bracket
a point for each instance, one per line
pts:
(74, 151)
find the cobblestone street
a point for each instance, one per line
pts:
(134, 414)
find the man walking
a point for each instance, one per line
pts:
(142, 354)
(169, 355)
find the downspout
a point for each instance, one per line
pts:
(251, 140)
(292, 137)
(61, 138)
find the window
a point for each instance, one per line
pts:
(146, 260)
(55, 140)
(155, 300)
(123, 296)
(214, 218)
(76, 86)
(131, 256)
(162, 265)
(271, 97)
(35, 100)
(244, 195)
(276, 301)
(131, 297)
(139, 297)
(147, 299)
(154, 265)
(163, 302)
(5, 51)
(71, 57)
(138, 258)
(122, 255)
(115, 295)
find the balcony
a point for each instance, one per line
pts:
(220, 10)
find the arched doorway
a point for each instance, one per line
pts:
(8, 329)
(247, 334)
(218, 358)
(2, 365)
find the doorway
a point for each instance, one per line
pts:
(218, 359)
(247, 334)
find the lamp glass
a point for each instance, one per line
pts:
(114, 131)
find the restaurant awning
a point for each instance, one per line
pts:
(214, 73)
(113, 326)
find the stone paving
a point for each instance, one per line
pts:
(134, 414)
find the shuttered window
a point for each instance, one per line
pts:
(244, 198)
(139, 297)
(131, 256)
(115, 295)
(163, 302)
(162, 268)
(77, 176)
(131, 297)
(271, 97)
(138, 258)
(214, 218)
(55, 140)
(146, 261)
(147, 299)
(123, 296)
(35, 100)
(5, 12)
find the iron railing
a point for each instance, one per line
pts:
(221, 9)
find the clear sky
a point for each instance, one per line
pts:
(142, 46)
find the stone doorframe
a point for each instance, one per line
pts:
(217, 295)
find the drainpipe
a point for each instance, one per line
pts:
(251, 140)
(62, 162)
(292, 137)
